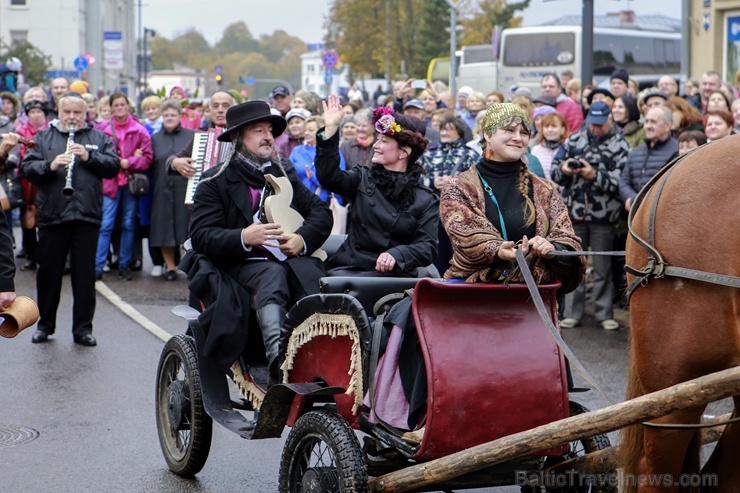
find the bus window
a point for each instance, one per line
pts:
(526, 50)
(477, 54)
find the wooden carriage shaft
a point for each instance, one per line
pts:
(697, 392)
(605, 460)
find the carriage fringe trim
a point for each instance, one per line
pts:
(332, 325)
(247, 389)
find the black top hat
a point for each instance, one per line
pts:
(251, 112)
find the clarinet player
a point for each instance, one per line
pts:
(69, 220)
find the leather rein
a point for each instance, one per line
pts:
(656, 266)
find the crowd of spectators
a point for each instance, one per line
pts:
(599, 144)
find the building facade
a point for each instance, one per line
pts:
(715, 37)
(68, 29)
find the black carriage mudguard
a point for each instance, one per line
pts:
(330, 303)
(277, 404)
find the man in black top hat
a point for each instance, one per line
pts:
(273, 264)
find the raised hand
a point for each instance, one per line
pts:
(333, 115)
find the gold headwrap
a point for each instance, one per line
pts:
(501, 113)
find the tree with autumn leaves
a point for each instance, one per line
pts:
(274, 56)
(379, 36)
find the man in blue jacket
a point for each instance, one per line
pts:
(646, 159)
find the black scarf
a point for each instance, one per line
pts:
(551, 144)
(400, 188)
(252, 169)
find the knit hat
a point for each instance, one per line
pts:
(542, 111)
(36, 105)
(599, 90)
(301, 113)
(620, 74)
(466, 90)
(501, 113)
(78, 86)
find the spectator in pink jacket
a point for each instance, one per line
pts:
(134, 147)
(550, 86)
(190, 118)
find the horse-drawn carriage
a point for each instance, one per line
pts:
(492, 370)
(497, 393)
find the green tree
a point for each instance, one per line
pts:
(237, 38)
(373, 36)
(277, 45)
(479, 21)
(35, 62)
(433, 39)
(166, 53)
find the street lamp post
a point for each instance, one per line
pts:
(145, 58)
(454, 4)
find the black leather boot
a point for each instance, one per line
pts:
(272, 319)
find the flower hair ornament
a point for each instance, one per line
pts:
(384, 121)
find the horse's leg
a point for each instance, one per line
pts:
(665, 454)
(721, 473)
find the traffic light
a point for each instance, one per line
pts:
(219, 79)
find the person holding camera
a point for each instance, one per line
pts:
(588, 167)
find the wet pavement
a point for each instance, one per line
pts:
(77, 419)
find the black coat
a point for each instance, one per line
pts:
(86, 204)
(222, 208)
(375, 225)
(170, 215)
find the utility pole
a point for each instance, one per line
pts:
(454, 4)
(587, 42)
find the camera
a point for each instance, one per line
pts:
(418, 84)
(573, 164)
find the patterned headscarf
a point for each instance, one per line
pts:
(501, 114)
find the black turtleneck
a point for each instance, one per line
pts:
(503, 179)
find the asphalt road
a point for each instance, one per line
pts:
(76, 419)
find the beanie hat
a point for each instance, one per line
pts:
(620, 74)
(78, 86)
(542, 111)
(36, 105)
(466, 90)
(500, 113)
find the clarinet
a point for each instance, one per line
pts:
(68, 190)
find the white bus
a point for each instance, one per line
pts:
(528, 53)
(478, 68)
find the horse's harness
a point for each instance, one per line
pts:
(657, 266)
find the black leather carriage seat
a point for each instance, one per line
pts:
(367, 290)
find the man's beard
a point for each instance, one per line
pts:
(251, 156)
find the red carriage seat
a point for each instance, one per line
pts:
(492, 367)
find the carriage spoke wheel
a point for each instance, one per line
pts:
(579, 448)
(183, 426)
(322, 455)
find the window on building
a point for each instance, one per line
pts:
(19, 3)
(17, 36)
(310, 69)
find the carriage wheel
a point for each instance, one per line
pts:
(183, 426)
(577, 449)
(322, 455)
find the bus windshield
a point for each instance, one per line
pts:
(527, 50)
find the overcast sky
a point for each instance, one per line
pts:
(305, 18)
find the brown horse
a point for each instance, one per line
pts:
(682, 328)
